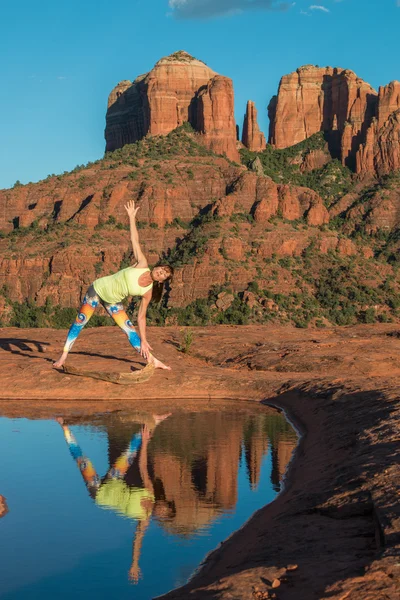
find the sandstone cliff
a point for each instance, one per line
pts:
(361, 126)
(215, 117)
(178, 89)
(328, 99)
(252, 137)
(380, 151)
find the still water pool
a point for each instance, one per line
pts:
(126, 505)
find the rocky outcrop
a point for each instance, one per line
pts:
(361, 126)
(215, 117)
(388, 101)
(177, 90)
(252, 137)
(327, 99)
(380, 151)
(314, 159)
(316, 99)
(379, 211)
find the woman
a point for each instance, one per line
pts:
(111, 290)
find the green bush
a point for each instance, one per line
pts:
(186, 341)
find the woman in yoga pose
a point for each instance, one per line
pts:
(111, 290)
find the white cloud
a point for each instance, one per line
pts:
(318, 7)
(61, 77)
(205, 9)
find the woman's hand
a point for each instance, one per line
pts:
(146, 433)
(130, 209)
(135, 573)
(145, 350)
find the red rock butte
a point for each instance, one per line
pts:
(362, 126)
(177, 90)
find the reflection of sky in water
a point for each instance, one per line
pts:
(55, 542)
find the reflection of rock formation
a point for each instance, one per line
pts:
(284, 453)
(194, 460)
(255, 448)
(201, 479)
(283, 441)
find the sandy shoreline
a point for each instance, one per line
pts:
(338, 517)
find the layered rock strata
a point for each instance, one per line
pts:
(361, 126)
(380, 151)
(316, 99)
(215, 117)
(177, 90)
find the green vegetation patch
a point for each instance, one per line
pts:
(330, 181)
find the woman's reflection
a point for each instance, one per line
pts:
(135, 501)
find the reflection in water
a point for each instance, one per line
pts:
(182, 481)
(135, 500)
(188, 475)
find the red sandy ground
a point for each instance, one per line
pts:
(338, 518)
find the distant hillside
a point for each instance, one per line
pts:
(296, 245)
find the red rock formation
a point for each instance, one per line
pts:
(316, 99)
(215, 117)
(388, 101)
(362, 127)
(315, 159)
(381, 151)
(346, 247)
(387, 146)
(157, 102)
(296, 202)
(252, 137)
(178, 89)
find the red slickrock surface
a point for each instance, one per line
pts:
(334, 532)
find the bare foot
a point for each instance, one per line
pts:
(158, 364)
(59, 363)
(160, 418)
(59, 420)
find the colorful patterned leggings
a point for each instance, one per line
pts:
(117, 471)
(116, 311)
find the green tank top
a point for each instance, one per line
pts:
(114, 288)
(115, 494)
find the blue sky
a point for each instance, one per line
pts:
(61, 59)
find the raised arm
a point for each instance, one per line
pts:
(137, 251)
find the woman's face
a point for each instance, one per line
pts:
(160, 274)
